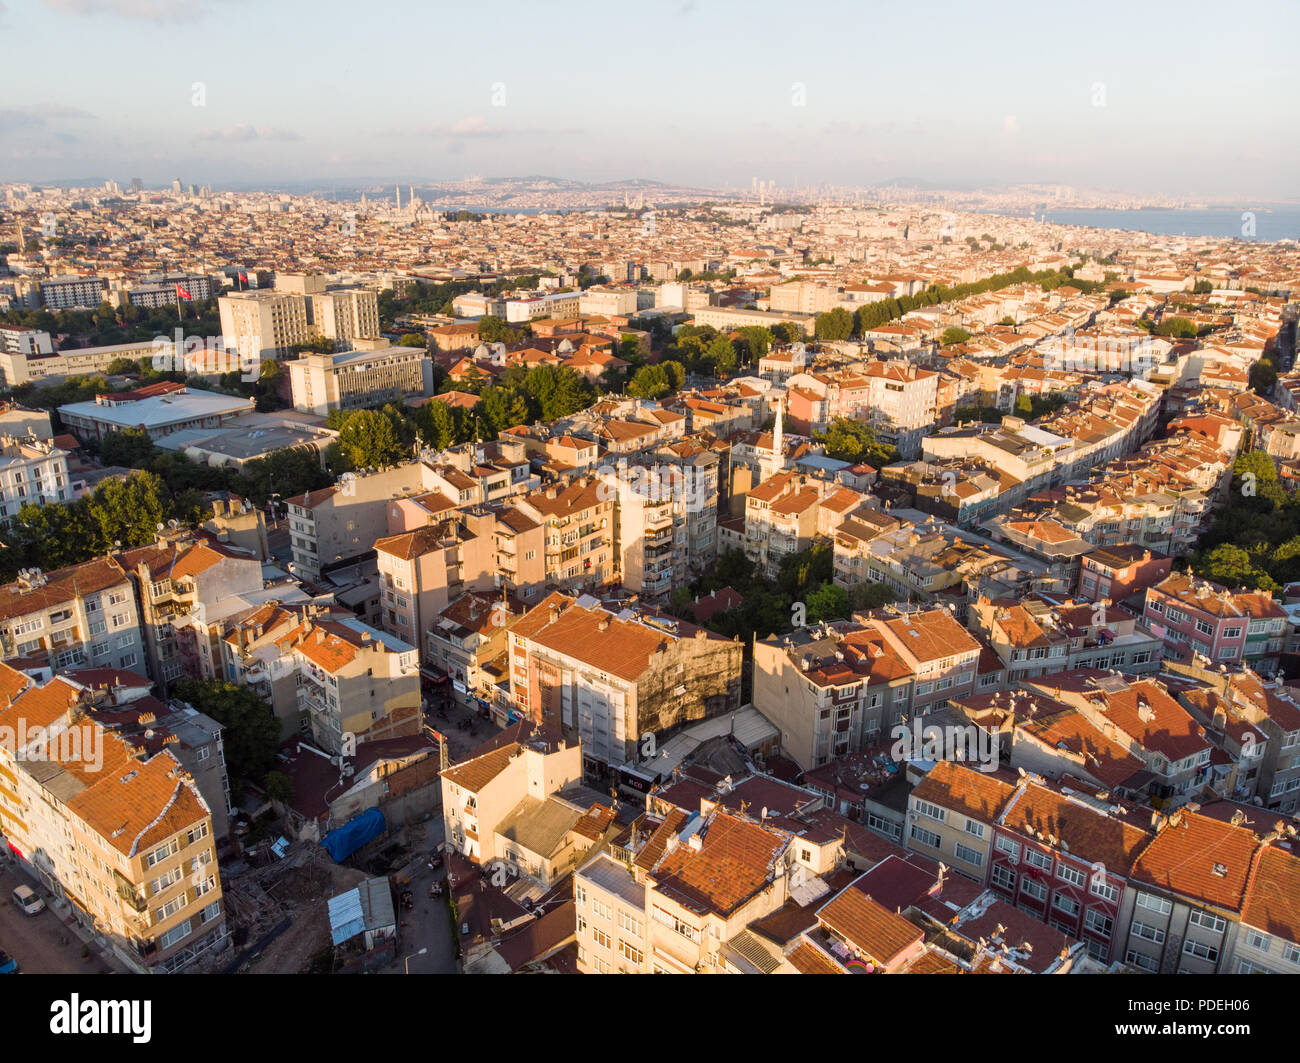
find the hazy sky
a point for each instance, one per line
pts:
(1193, 98)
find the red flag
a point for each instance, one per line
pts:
(183, 292)
(243, 276)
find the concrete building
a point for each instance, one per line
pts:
(339, 524)
(14, 339)
(355, 683)
(480, 793)
(155, 409)
(264, 324)
(72, 293)
(31, 473)
(356, 379)
(84, 616)
(121, 833)
(607, 679)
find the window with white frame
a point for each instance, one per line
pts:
(972, 856)
(1030, 888)
(1207, 921)
(1098, 922)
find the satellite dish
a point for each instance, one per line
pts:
(161, 526)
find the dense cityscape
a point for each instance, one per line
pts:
(503, 519)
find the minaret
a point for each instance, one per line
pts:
(397, 190)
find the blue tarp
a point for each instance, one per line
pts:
(350, 837)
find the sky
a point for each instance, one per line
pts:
(1190, 99)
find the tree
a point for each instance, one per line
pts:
(493, 330)
(250, 730)
(954, 335)
(649, 382)
(868, 595)
(412, 339)
(828, 602)
(369, 441)
(129, 510)
(121, 366)
(499, 409)
(1263, 377)
(853, 441)
(836, 324)
(1177, 328)
(278, 787)
(436, 425)
(130, 447)
(722, 353)
(785, 332)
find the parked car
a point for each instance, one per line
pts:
(8, 965)
(26, 899)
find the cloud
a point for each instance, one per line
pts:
(473, 126)
(38, 117)
(244, 132)
(139, 10)
(1011, 125)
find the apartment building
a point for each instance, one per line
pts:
(82, 616)
(902, 402)
(1187, 890)
(481, 792)
(579, 521)
(1143, 718)
(367, 376)
(1066, 858)
(669, 911)
(952, 813)
(468, 643)
(339, 524)
(556, 304)
(1193, 615)
(1035, 637)
(355, 681)
(257, 652)
(14, 339)
(264, 324)
(939, 652)
(123, 835)
(1115, 572)
(344, 315)
(607, 676)
(178, 583)
(422, 571)
(32, 472)
(650, 537)
(832, 689)
(781, 518)
(72, 293)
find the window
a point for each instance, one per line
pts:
(600, 938)
(582, 924)
(196, 834)
(1147, 933)
(1062, 903)
(1256, 940)
(1036, 859)
(1098, 923)
(210, 912)
(1004, 878)
(631, 952)
(972, 856)
(929, 810)
(1103, 889)
(1204, 952)
(1006, 845)
(174, 935)
(162, 853)
(1208, 920)
(1071, 875)
(975, 828)
(1152, 903)
(170, 908)
(165, 880)
(579, 896)
(1137, 959)
(629, 923)
(925, 837)
(1033, 889)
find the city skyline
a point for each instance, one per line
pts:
(700, 97)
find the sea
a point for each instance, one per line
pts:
(1271, 222)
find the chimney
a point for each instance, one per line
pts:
(320, 636)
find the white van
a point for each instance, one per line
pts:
(26, 899)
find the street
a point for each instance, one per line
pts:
(425, 944)
(41, 943)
